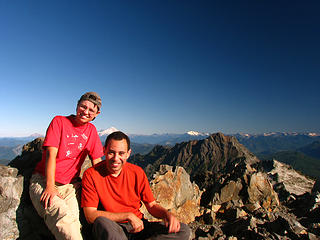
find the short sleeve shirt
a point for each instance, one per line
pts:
(74, 143)
(123, 193)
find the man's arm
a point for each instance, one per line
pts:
(159, 212)
(92, 213)
(50, 190)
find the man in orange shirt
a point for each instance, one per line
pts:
(120, 187)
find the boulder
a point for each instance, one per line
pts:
(29, 224)
(11, 188)
(174, 191)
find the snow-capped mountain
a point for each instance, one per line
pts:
(162, 139)
(277, 134)
(194, 133)
(106, 132)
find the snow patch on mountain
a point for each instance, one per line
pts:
(107, 131)
(195, 133)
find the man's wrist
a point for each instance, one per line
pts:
(51, 186)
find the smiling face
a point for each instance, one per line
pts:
(86, 112)
(116, 154)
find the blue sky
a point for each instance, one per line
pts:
(162, 66)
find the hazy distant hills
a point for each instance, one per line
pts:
(305, 159)
(15, 141)
(296, 149)
(10, 147)
(312, 149)
(275, 142)
(298, 160)
(8, 153)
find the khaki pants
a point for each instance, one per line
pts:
(62, 217)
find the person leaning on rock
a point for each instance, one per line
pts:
(120, 187)
(54, 185)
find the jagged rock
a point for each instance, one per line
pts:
(175, 192)
(260, 191)
(11, 187)
(293, 181)
(204, 160)
(29, 224)
(292, 223)
(242, 185)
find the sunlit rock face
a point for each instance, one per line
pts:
(174, 191)
(293, 181)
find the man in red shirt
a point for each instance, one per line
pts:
(120, 187)
(54, 185)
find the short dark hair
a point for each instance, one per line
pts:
(118, 135)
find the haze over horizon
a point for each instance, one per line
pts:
(162, 66)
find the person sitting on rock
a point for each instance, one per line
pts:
(55, 183)
(120, 187)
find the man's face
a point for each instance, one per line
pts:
(116, 154)
(86, 112)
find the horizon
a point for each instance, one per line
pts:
(162, 67)
(234, 133)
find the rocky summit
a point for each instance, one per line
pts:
(215, 185)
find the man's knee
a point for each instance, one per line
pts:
(104, 228)
(185, 231)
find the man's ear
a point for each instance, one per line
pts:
(129, 152)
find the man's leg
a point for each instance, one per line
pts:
(104, 228)
(158, 231)
(61, 220)
(70, 205)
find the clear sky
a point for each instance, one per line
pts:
(164, 66)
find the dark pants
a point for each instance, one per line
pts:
(104, 228)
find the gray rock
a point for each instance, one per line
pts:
(11, 187)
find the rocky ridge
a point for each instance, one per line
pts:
(215, 185)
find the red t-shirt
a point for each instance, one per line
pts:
(74, 143)
(123, 193)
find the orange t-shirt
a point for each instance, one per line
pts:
(123, 193)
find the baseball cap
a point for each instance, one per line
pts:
(92, 97)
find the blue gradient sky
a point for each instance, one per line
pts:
(162, 66)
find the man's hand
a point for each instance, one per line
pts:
(136, 223)
(47, 196)
(172, 223)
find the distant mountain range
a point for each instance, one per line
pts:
(10, 147)
(158, 139)
(268, 143)
(265, 145)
